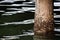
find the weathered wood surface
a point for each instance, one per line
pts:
(43, 26)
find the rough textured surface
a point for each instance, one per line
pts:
(43, 25)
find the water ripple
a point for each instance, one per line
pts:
(29, 21)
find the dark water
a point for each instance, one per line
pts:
(17, 19)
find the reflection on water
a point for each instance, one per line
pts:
(17, 18)
(16, 23)
(29, 21)
(25, 35)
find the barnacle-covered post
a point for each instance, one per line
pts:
(44, 18)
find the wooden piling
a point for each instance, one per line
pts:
(44, 20)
